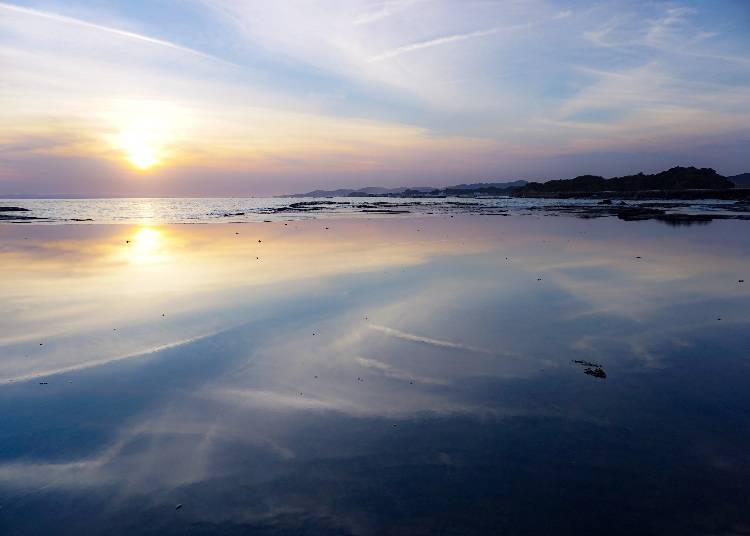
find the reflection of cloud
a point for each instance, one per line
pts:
(396, 373)
(427, 340)
(279, 401)
(99, 362)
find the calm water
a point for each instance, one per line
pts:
(409, 375)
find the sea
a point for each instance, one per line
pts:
(259, 209)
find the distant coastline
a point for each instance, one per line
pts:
(675, 183)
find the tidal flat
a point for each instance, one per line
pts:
(451, 374)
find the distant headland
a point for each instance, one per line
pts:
(676, 183)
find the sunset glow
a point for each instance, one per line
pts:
(254, 97)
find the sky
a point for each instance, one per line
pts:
(264, 97)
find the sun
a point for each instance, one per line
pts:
(146, 134)
(141, 150)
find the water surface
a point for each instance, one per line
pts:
(412, 375)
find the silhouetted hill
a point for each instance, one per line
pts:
(677, 178)
(741, 181)
(479, 188)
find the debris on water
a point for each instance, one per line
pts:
(595, 372)
(591, 369)
(586, 363)
(178, 506)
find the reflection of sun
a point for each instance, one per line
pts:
(146, 246)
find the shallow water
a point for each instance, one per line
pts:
(157, 211)
(392, 376)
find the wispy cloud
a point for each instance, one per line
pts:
(384, 10)
(337, 93)
(455, 38)
(114, 31)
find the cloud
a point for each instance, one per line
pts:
(259, 94)
(433, 43)
(90, 25)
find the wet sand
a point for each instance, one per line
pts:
(417, 375)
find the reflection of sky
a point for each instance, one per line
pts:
(322, 377)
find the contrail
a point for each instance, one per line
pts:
(115, 31)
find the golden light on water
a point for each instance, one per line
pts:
(146, 246)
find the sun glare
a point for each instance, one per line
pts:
(140, 149)
(145, 132)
